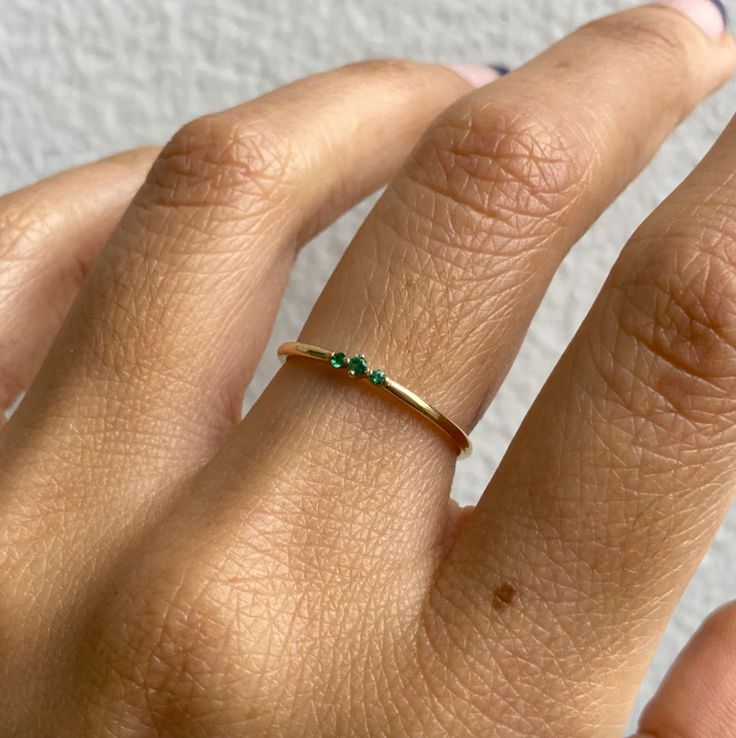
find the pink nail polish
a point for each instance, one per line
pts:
(710, 15)
(477, 75)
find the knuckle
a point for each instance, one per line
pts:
(677, 304)
(160, 637)
(220, 160)
(513, 170)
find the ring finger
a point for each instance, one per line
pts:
(444, 276)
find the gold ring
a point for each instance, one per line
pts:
(357, 367)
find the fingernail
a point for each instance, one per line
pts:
(710, 15)
(477, 75)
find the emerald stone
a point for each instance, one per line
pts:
(339, 360)
(377, 376)
(358, 366)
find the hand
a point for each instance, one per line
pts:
(167, 569)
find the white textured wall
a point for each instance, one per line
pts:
(84, 78)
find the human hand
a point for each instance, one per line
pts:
(169, 570)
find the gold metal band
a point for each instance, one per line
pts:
(357, 366)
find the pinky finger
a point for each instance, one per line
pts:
(698, 697)
(50, 234)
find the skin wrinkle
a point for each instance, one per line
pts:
(699, 332)
(228, 161)
(509, 151)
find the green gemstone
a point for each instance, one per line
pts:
(358, 366)
(339, 360)
(377, 376)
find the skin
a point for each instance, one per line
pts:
(168, 569)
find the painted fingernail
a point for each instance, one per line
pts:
(710, 15)
(477, 75)
(502, 71)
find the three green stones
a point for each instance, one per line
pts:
(358, 367)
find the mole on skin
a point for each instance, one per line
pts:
(503, 596)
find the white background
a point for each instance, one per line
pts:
(84, 78)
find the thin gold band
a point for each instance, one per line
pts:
(357, 366)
